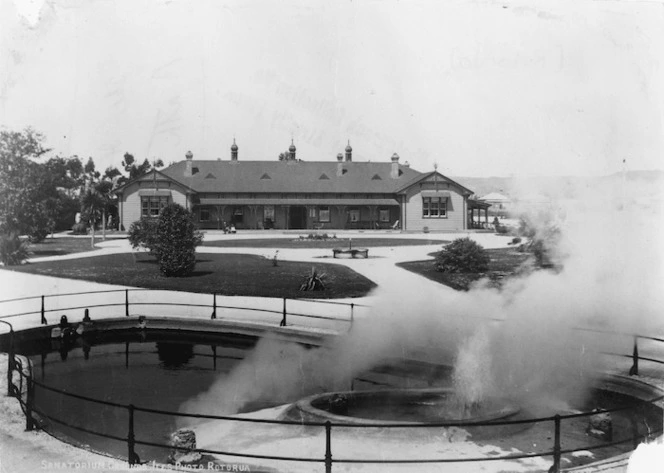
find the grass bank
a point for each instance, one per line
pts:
(224, 274)
(505, 263)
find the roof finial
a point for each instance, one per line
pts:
(435, 166)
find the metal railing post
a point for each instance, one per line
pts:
(634, 370)
(328, 447)
(214, 306)
(10, 362)
(352, 306)
(43, 312)
(131, 454)
(29, 401)
(283, 321)
(635, 431)
(555, 468)
(127, 302)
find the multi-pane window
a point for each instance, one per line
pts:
(434, 207)
(324, 214)
(205, 215)
(384, 215)
(151, 205)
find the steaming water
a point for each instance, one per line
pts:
(472, 370)
(611, 276)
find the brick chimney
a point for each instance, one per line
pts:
(394, 173)
(189, 165)
(340, 164)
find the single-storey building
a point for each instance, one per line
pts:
(295, 194)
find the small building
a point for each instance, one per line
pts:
(295, 194)
(500, 204)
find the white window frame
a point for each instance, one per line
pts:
(151, 205)
(434, 207)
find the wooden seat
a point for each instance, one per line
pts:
(353, 252)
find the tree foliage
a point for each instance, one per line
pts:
(463, 255)
(25, 185)
(143, 235)
(135, 170)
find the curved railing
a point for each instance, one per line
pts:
(24, 391)
(129, 299)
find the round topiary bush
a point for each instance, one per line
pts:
(176, 240)
(463, 255)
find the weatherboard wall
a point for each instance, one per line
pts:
(455, 219)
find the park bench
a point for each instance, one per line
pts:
(353, 252)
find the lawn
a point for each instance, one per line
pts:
(224, 274)
(505, 263)
(60, 246)
(328, 243)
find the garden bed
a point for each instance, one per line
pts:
(505, 263)
(223, 274)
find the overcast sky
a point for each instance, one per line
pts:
(513, 87)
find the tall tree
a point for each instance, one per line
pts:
(25, 186)
(135, 170)
(90, 170)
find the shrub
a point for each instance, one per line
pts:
(13, 251)
(176, 239)
(37, 235)
(502, 229)
(542, 243)
(79, 229)
(463, 255)
(143, 234)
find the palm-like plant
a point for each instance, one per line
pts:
(104, 189)
(92, 206)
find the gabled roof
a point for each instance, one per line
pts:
(291, 177)
(496, 197)
(423, 177)
(150, 176)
